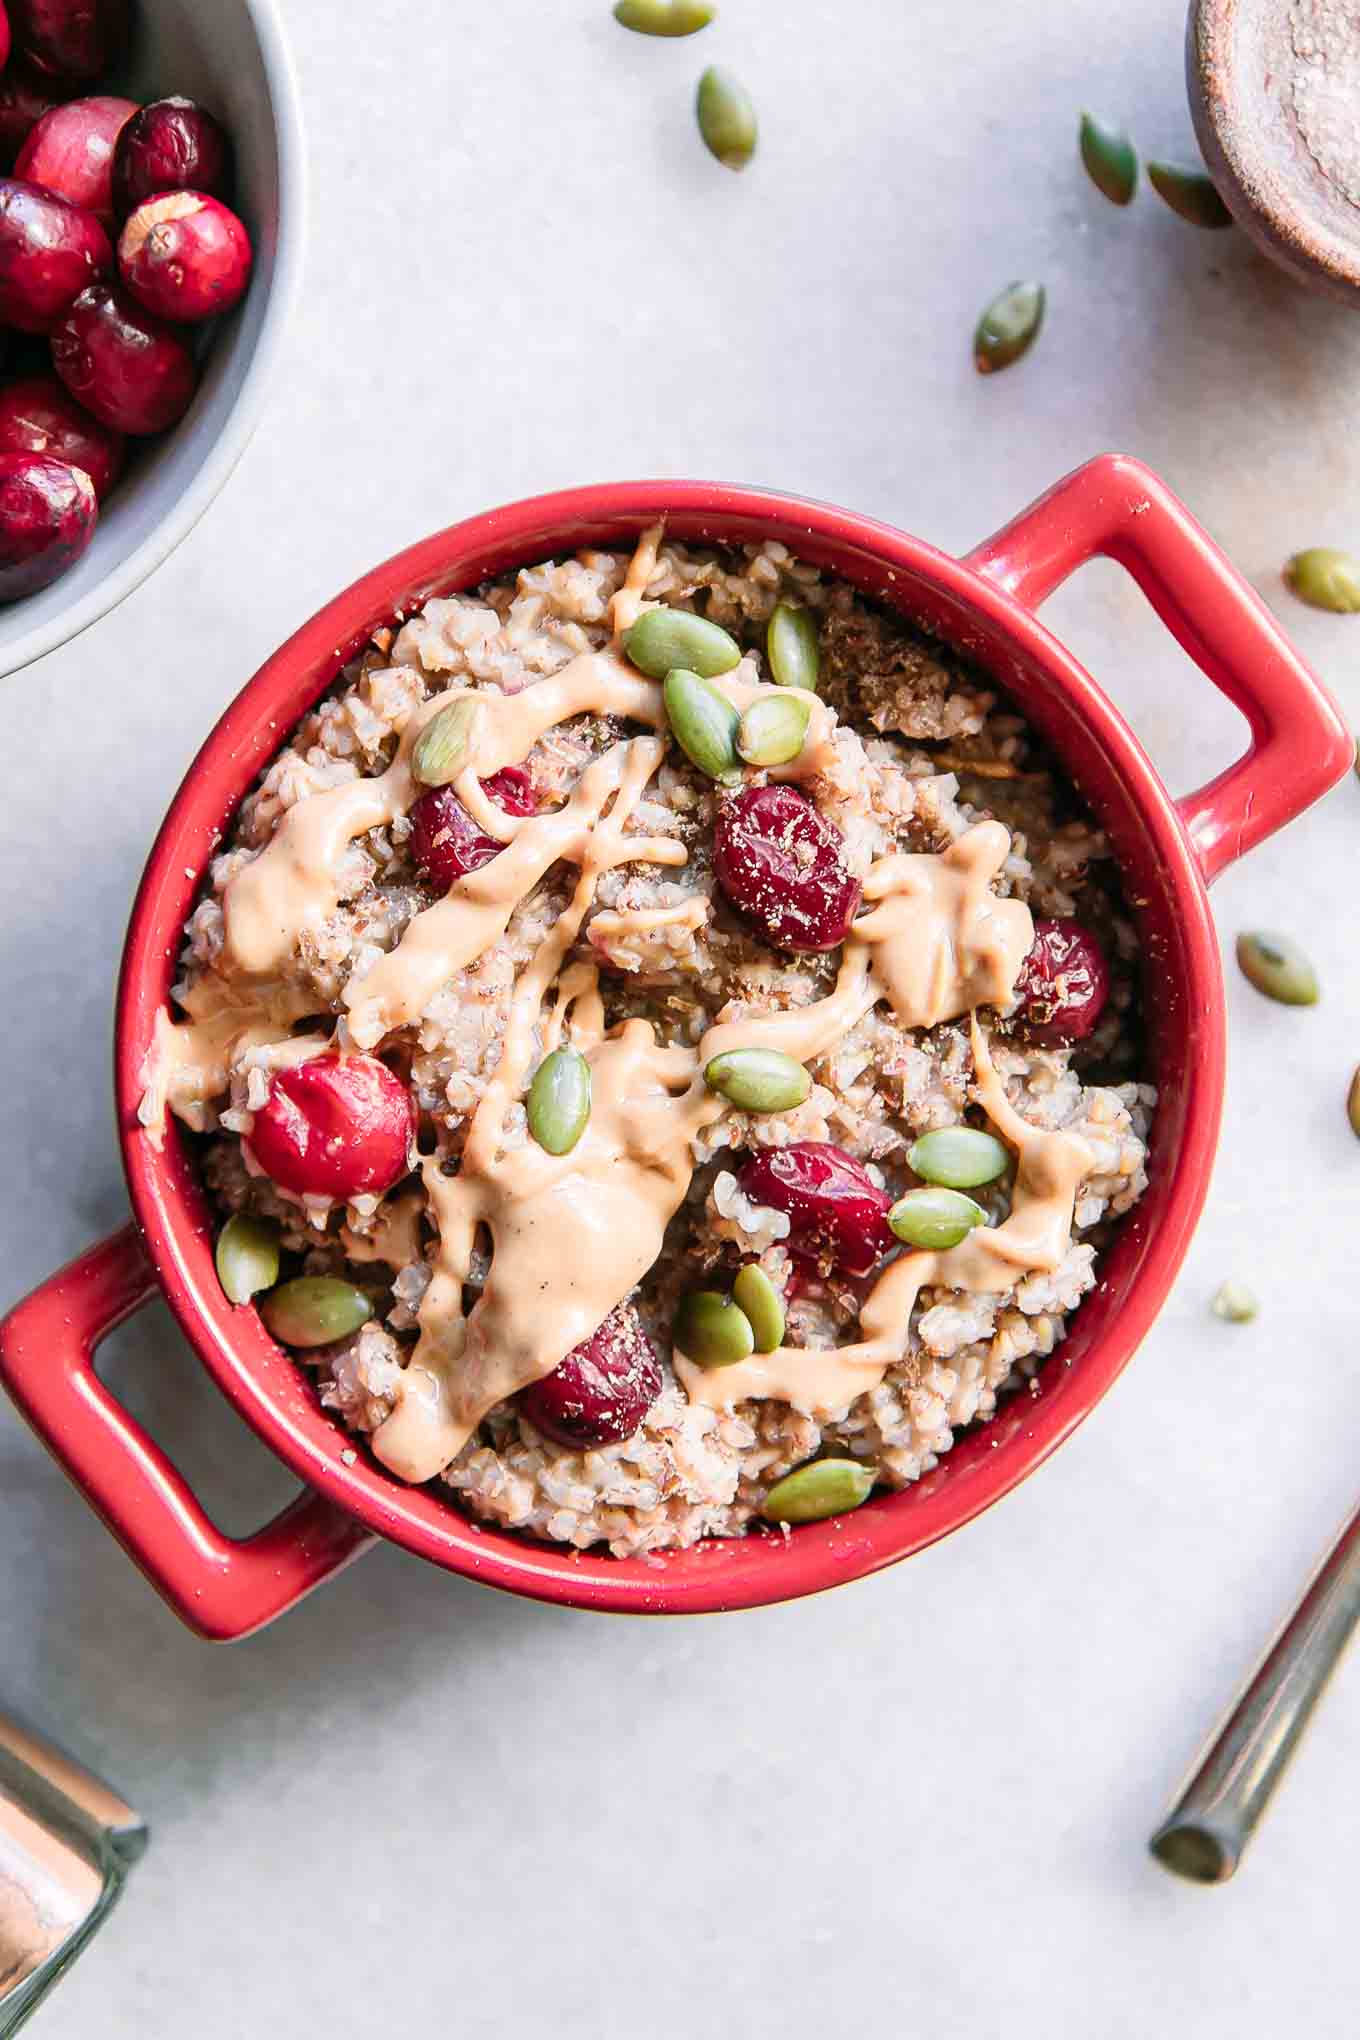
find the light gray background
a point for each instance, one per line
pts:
(920, 1802)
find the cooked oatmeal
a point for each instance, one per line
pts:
(914, 909)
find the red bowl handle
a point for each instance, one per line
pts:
(1116, 508)
(221, 1586)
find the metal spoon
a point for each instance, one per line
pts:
(1207, 1830)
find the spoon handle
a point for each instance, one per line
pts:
(1207, 1830)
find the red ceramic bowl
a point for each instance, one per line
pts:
(1168, 851)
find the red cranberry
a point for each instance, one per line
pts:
(445, 841)
(781, 864)
(1063, 985)
(131, 369)
(38, 416)
(172, 145)
(185, 256)
(47, 518)
(25, 97)
(50, 250)
(70, 151)
(4, 36)
(603, 1389)
(77, 39)
(838, 1216)
(339, 1126)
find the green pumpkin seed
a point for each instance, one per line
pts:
(1190, 193)
(826, 1487)
(442, 747)
(935, 1218)
(712, 1331)
(1326, 579)
(791, 646)
(1110, 159)
(761, 1304)
(772, 730)
(758, 1079)
(247, 1256)
(703, 723)
(1009, 327)
(663, 639)
(959, 1157)
(1353, 1104)
(314, 1310)
(1234, 1302)
(664, 17)
(1279, 968)
(727, 118)
(559, 1100)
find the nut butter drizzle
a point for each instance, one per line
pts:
(572, 1235)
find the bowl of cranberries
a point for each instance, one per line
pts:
(150, 239)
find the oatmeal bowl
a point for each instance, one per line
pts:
(670, 1047)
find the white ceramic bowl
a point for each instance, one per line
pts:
(230, 54)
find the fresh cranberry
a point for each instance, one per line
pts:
(130, 368)
(4, 36)
(781, 864)
(70, 151)
(838, 1216)
(25, 96)
(338, 1126)
(1063, 985)
(47, 518)
(38, 416)
(172, 145)
(50, 250)
(603, 1389)
(77, 39)
(445, 841)
(185, 256)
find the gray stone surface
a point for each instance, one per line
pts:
(920, 1802)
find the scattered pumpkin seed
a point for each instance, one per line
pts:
(1190, 193)
(664, 17)
(1110, 159)
(559, 1100)
(1353, 1104)
(773, 729)
(1279, 968)
(703, 723)
(1325, 578)
(959, 1157)
(663, 639)
(313, 1310)
(935, 1217)
(441, 749)
(1234, 1303)
(758, 1079)
(727, 118)
(791, 646)
(825, 1487)
(1009, 327)
(247, 1256)
(712, 1331)
(762, 1305)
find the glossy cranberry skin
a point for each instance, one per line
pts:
(338, 1126)
(445, 841)
(77, 39)
(130, 368)
(1063, 985)
(185, 256)
(838, 1216)
(25, 96)
(172, 145)
(70, 151)
(37, 415)
(47, 518)
(782, 865)
(50, 251)
(603, 1389)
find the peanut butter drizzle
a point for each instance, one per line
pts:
(823, 1381)
(189, 1061)
(396, 1236)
